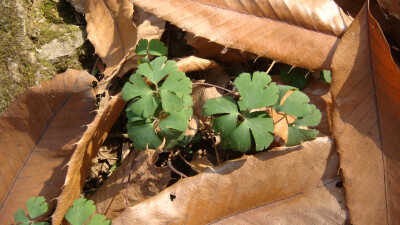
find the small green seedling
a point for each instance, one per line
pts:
(36, 206)
(240, 121)
(325, 75)
(78, 214)
(160, 101)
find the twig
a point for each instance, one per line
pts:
(129, 179)
(169, 164)
(270, 67)
(212, 85)
(208, 128)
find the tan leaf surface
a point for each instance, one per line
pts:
(86, 150)
(146, 181)
(148, 27)
(276, 29)
(37, 136)
(111, 30)
(283, 174)
(193, 63)
(366, 122)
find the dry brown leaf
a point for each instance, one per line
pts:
(146, 181)
(111, 31)
(149, 27)
(286, 31)
(208, 49)
(37, 136)
(366, 122)
(286, 211)
(86, 150)
(193, 63)
(236, 186)
(199, 161)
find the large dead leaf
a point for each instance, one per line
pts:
(366, 122)
(111, 31)
(282, 175)
(86, 150)
(301, 33)
(37, 136)
(146, 181)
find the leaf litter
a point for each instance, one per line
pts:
(188, 155)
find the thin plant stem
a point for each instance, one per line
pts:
(270, 67)
(169, 164)
(209, 130)
(213, 85)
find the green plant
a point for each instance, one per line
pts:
(240, 121)
(160, 101)
(298, 77)
(78, 214)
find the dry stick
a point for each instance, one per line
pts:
(169, 164)
(129, 178)
(209, 130)
(270, 67)
(212, 85)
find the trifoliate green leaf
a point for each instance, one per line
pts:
(326, 76)
(143, 135)
(80, 211)
(298, 131)
(238, 137)
(261, 128)
(296, 104)
(157, 48)
(297, 136)
(20, 217)
(37, 206)
(296, 77)
(99, 220)
(141, 48)
(157, 69)
(254, 91)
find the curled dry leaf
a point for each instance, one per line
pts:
(280, 176)
(37, 137)
(146, 181)
(86, 150)
(148, 27)
(193, 63)
(301, 33)
(366, 122)
(111, 31)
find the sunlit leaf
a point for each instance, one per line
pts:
(80, 211)
(141, 48)
(99, 220)
(157, 48)
(37, 206)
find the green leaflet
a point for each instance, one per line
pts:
(254, 91)
(157, 69)
(99, 220)
(325, 75)
(297, 104)
(80, 211)
(36, 206)
(155, 47)
(143, 135)
(236, 127)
